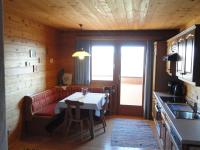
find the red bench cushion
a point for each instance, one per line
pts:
(48, 110)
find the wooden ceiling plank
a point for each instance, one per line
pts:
(108, 14)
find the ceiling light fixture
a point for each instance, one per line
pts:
(81, 54)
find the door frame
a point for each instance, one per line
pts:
(3, 130)
(127, 109)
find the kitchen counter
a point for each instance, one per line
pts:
(188, 131)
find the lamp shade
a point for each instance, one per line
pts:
(81, 54)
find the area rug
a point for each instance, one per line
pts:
(132, 133)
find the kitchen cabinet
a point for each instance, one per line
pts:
(166, 141)
(171, 65)
(163, 135)
(189, 53)
(162, 129)
(181, 53)
(187, 45)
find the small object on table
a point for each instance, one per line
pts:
(84, 91)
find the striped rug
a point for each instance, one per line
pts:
(133, 133)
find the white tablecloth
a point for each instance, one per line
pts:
(92, 101)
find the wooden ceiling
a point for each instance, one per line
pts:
(108, 14)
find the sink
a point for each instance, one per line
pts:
(182, 111)
(179, 107)
(173, 99)
(186, 115)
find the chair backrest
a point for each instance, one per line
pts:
(73, 106)
(105, 105)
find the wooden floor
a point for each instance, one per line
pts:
(58, 141)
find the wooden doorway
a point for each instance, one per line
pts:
(131, 80)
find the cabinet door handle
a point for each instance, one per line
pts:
(189, 35)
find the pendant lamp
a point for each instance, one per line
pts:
(81, 54)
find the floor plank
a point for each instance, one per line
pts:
(58, 141)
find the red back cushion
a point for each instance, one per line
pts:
(52, 95)
(75, 89)
(42, 99)
(38, 101)
(96, 90)
(65, 93)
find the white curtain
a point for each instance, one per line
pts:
(82, 67)
(148, 76)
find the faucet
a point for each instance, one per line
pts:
(195, 108)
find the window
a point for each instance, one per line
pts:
(132, 61)
(102, 62)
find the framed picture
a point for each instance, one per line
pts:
(32, 53)
(67, 78)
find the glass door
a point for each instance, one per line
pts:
(131, 80)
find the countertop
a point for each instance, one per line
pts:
(188, 130)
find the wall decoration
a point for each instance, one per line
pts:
(32, 53)
(33, 68)
(67, 78)
(51, 60)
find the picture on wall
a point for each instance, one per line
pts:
(67, 79)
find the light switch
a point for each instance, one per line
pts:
(51, 60)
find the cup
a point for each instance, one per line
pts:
(84, 91)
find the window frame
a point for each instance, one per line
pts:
(104, 43)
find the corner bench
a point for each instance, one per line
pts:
(39, 109)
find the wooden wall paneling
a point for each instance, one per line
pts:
(67, 46)
(193, 93)
(26, 74)
(3, 128)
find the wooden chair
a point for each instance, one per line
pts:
(101, 119)
(75, 115)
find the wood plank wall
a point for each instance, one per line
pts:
(29, 47)
(67, 45)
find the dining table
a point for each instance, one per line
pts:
(91, 101)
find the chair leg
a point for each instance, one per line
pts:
(104, 124)
(68, 127)
(81, 125)
(104, 120)
(89, 127)
(104, 127)
(65, 122)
